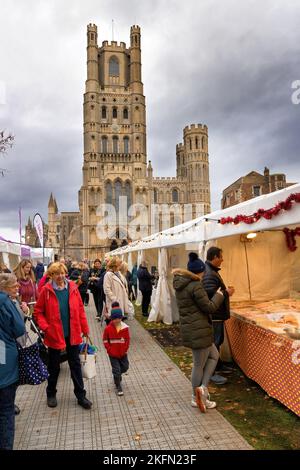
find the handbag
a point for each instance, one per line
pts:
(88, 362)
(32, 370)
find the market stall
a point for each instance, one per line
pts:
(264, 327)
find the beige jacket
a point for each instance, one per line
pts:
(115, 291)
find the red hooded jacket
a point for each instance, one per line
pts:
(47, 315)
(116, 343)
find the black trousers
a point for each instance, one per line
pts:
(146, 301)
(119, 366)
(96, 300)
(75, 368)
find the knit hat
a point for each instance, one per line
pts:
(195, 264)
(116, 311)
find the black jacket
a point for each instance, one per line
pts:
(211, 282)
(195, 309)
(145, 279)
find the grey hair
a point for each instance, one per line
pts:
(7, 280)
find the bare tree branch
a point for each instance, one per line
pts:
(6, 142)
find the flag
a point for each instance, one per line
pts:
(38, 225)
(20, 224)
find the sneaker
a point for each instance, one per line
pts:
(225, 369)
(119, 391)
(218, 379)
(194, 403)
(201, 397)
(210, 404)
(85, 403)
(51, 402)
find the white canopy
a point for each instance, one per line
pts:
(207, 228)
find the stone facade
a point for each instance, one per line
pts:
(115, 158)
(252, 185)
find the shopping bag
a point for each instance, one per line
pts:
(131, 311)
(88, 359)
(32, 370)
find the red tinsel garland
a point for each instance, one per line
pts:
(290, 237)
(266, 214)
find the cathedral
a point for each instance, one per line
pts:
(115, 165)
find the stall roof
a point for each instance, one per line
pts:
(207, 227)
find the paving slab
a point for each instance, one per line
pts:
(154, 413)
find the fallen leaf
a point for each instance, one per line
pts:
(241, 412)
(137, 437)
(207, 437)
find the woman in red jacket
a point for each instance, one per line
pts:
(60, 314)
(116, 340)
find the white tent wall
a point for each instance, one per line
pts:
(161, 308)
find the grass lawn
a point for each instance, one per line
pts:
(261, 420)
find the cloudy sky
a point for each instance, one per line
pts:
(226, 63)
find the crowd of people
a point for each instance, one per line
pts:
(56, 300)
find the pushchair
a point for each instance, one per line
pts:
(43, 350)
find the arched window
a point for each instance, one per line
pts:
(174, 195)
(103, 112)
(108, 191)
(115, 144)
(196, 142)
(190, 144)
(155, 196)
(118, 194)
(203, 142)
(115, 113)
(125, 113)
(128, 193)
(113, 67)
(104, 144)
(126, 144)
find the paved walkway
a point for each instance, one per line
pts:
(154, 413)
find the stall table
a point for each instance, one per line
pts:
(264, 352)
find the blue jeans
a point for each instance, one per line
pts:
(7, 416)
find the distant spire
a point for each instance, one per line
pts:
(51, 201)
(29, 222)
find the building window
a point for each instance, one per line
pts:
(113, 67)
(115, 144)
(103, 113)
(118, 194)
(128, 193)
(104, 144)
(115, 113)
(256, 191)
(126, 144)
(125, 113)
(174, 195)
(155, 196)
(190, 144)
(196, 142)
(108, 191)
(203, 142)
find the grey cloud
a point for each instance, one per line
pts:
(227, 64)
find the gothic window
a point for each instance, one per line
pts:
(174, 195)
(155, 196)
(190, 144)
(118, 194)
(108, 191)
(115, 144)
(203, 142)
(128, 193)
(104, 144)
(114, 67)
(115, 113)
(256, 191)
(126, 144)
(103, 112)
(125, 113)
(196, 142)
